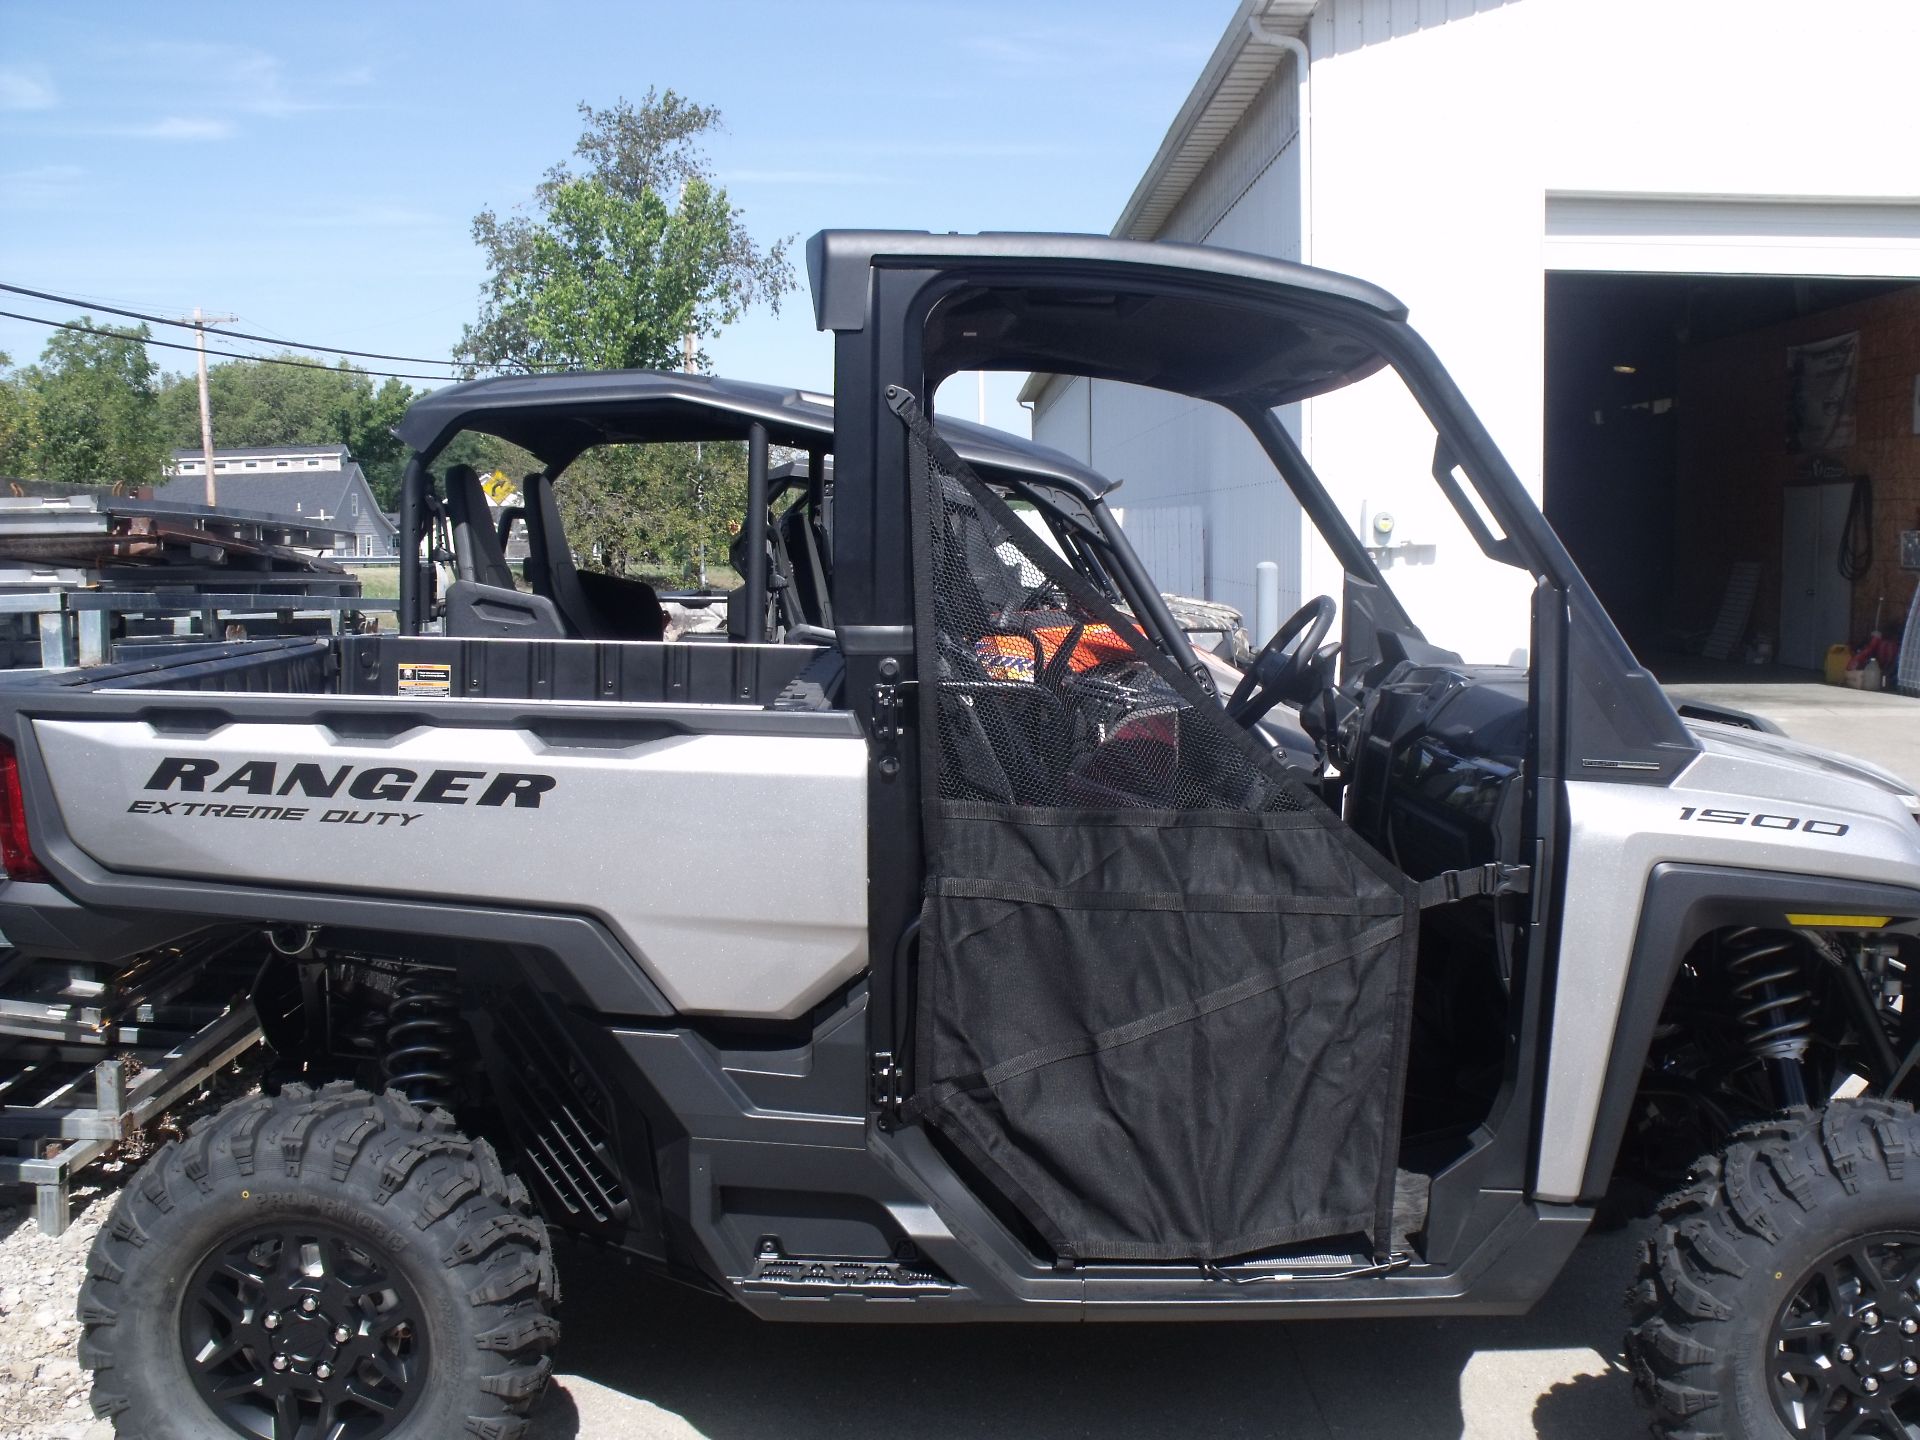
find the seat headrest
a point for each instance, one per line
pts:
(550, 568)
(476, 544)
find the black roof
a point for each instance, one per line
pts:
(297, 495)
(557, 416)
(1196, 319)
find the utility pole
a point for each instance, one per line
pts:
(200, 323)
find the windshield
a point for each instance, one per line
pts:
(1208, 499)
(1402, 493)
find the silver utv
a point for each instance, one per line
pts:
(943, 941)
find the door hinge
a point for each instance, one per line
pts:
(887, 1088)
(892, 713)
(892, 700)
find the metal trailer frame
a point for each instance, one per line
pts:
(77, 1134)
(75, 626)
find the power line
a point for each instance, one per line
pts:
(229, 354)
(261, 339)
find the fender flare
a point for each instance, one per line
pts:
(1683, 903)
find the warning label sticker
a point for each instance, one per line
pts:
(426, 680)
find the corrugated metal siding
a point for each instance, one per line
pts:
(1234, 77)
(1240, 69)
(1266, 218)
(1060, 417)
(1171, 541)
(1200, 498)
(1173, 454)
(1269, 124)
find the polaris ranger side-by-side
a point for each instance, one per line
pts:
(947, 940)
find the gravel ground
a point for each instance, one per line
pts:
(43, 1390)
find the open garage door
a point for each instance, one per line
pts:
(1732, 236)
(1733, 421)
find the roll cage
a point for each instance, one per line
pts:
(1250, 334)
(557, 418)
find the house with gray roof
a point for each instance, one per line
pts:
(320, 484)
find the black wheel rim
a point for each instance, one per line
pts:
(300, 1331)
(1844, 1355)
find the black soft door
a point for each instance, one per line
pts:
(1163, 990)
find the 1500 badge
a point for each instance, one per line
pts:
(1762, 821)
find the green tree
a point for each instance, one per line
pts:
(371, 439)
(619, 265)
(645, 509)
(256, 403)
(19, 421)
(615, 268)
(95, 408)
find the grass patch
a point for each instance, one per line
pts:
(378, 582)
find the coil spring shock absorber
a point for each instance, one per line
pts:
(423, 1026)
(1767, 977)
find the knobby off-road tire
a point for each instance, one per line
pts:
(1777, 1220)
(320, 1231)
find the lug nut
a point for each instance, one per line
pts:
(1845, 1354)
(1871, 1320)
(1910, 1367)
(279, 1362)
(322, 1372)
(1870, 1385)
(272, 1321)
(310, 1305)
(1909, 1326)
(341, 1335)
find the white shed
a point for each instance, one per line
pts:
(1612, 219)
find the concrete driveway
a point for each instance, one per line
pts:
(645, 1360)
(1876, 725)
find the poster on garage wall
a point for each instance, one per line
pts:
(1820, 386)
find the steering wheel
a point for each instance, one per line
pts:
(1282, 661)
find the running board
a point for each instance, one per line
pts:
(1330, 1265)
(1308, 1267)
(820, 1276)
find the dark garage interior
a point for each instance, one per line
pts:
(1677, 464)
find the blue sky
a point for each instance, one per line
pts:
(314, 169)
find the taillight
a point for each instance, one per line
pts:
(16, 849)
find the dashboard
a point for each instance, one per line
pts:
(1435, 759)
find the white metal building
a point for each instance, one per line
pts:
(1461, 153)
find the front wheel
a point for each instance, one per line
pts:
(320, 1264)
(1780, 1296)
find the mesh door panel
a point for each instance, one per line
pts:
(1048, 695)
(1162, 990)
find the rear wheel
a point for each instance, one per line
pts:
(1780, 1295)
(320, 1264)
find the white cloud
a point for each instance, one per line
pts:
(358, 215)
(248, 81)
(176, 127)
(40, 187)
(24, 88)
